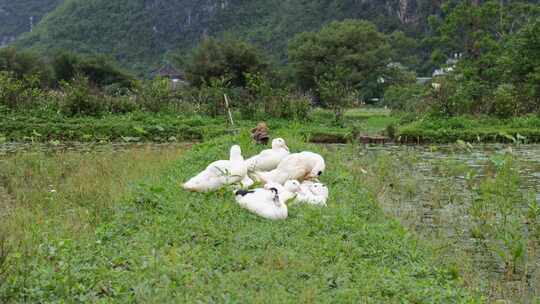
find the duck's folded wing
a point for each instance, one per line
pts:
(219, 168)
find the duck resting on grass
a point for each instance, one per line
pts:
(220, 173)
(297, 166)
(269, 202)
(269, 159)
(313, 193)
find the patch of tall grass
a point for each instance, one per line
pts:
(64, 195)
(482, 223)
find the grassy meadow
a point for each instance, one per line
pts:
(63, 196)
(132, 235)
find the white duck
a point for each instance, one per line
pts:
(269, 159)
(269, 202)
(313, 193)
(297, 166)
(220, 173)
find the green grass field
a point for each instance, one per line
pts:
(148, 241)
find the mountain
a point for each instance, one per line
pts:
(139, 33)
(19, 16)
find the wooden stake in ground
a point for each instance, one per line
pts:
(228, 109)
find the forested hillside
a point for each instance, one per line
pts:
(139, 32)
(18, 16)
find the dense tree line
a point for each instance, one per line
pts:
(496, 70)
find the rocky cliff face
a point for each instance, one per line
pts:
(20, 16)
(140, 32)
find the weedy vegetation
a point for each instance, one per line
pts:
(474, 207)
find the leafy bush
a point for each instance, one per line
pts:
(408, 98)
(452, 96)
(23, 65)
(20, 93)
(98, 69)
(246, 102)
(78, 98)
(122, 104)
(297, 106)
(333, 90)
(277, 102)
(210, 97)
(498, 214)
(288, 105)
(154, 95)
(262, 95)
(207, 99)
(504, 103)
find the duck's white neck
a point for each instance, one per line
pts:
(236, 156)
(284, 196)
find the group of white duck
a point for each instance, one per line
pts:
(283, 176)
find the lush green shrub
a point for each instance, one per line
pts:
(155, 95)
(262, 96)
(65, 66)
(122, 104)
(78, 99)
(23, 65)
(334, 90)
(249, 104)
(98, 69)
(500, 215)
(208, 98)
(297, 106)
(407, 98)
(504, 103)
(22, 93)
(450, 97)
(276, 102)
(288, 105)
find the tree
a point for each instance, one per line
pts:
(226, 59)
(335, 91)
(522, 64)
(405, 50)
(355, 48)
(495, 61)
(98, 69)
(25, 64)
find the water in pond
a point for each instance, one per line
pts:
(81, 147)
(433, 189)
